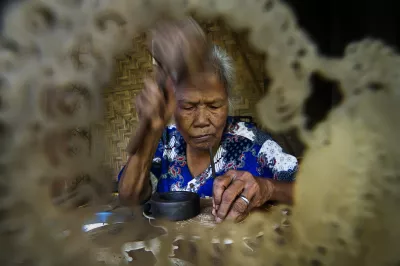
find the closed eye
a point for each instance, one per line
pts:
(188, 108)
(214, 107)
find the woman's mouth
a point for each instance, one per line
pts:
(202, 138)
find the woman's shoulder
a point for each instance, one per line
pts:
(171, 128)
(246, 130)
(171, 135)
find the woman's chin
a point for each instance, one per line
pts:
(202, 145)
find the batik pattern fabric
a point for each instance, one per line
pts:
(243, 147)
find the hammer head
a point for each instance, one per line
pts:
(179, 47)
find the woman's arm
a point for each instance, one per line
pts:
(280, 169)
(281, 191)
(134, 185)
(155, 110)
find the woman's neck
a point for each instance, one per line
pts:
(200, 153)
(198, 160)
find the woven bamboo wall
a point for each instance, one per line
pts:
(132, 66)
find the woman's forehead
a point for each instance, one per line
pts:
(194, 94)
(201, 85)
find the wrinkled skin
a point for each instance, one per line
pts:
(201, 112)
(227, 188)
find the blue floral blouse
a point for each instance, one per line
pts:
(243, 147)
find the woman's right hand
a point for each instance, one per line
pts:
(154, 110)
(153, 107)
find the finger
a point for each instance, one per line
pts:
(222, 182)
(160, 104)
(244, 215)
(152, 103)
(229, 196)
(241, 217)
(219, 186)
(154, 95)
(240, 207)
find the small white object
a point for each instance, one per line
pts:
(89, 227)
(147, 216)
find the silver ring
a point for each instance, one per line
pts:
(244, 199)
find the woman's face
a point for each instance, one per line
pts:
(202, 110)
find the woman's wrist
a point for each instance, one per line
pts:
(150, 139)
(279, 191)
(268, 189)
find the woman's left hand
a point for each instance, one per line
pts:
(236, 193)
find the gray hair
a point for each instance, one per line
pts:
(223, 65)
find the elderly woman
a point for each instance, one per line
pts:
(250, 167)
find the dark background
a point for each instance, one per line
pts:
(335, 23)
(332, 24)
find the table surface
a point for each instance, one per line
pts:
(132, 226)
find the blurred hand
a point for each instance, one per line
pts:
(227, 189)
(155, 108)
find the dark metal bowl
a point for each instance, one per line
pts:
(174, 206)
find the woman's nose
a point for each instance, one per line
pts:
(202, 117)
